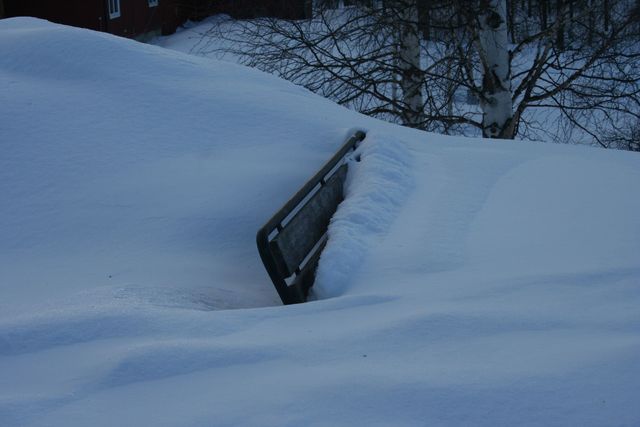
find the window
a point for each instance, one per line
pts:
(153, 3)
(114, 8)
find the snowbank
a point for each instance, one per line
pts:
(465, 282)
(131, 166)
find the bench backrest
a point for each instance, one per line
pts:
(291, 242)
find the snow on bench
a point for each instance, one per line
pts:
(291, 242)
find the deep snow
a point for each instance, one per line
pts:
(465, 282)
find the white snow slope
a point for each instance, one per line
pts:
(466, 282)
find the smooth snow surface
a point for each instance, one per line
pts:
(465, 282)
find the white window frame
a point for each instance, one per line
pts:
(114, 8)
(153, 3)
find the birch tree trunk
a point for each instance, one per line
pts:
(409, 63)
(493, 50)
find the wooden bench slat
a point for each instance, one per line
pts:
(292, 245)
(304, 280)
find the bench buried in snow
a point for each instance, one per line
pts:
(291, 242)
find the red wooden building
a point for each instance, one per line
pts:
(144, 18)
(285, 9)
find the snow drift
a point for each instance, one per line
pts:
(465, 282)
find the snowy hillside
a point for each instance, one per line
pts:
(465, 282)
(127, 164)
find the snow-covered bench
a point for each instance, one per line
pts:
(290, 243)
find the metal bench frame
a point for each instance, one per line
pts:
(291, 242)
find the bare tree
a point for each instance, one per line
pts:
(624, 138)
(591, 82)
(493, 54)
(410, 68)
(467, 78)
(368, 57)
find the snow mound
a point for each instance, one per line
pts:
(465, 282)
(378, 185)
(131, 166)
